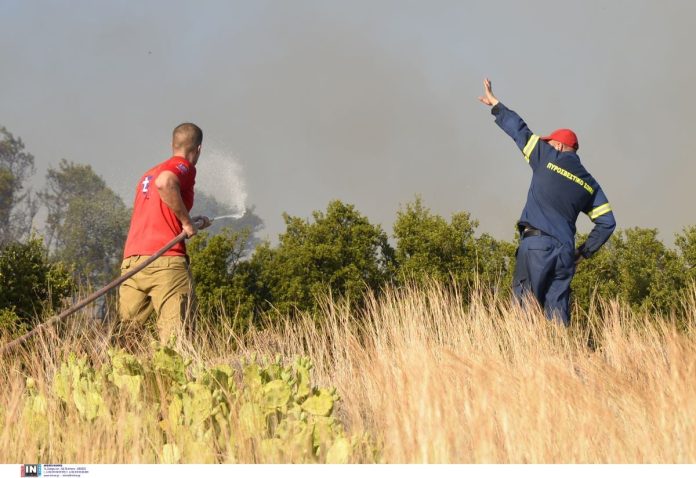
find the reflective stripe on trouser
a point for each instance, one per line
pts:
(545, 268)
(165, 287)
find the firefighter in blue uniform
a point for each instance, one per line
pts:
(561, 189)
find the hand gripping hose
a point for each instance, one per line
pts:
(14, 343)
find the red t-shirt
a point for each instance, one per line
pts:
(153, 224)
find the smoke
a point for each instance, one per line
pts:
(367, 102)
(324, 110)
(220, 175)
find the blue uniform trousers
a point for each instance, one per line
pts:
(544, 268)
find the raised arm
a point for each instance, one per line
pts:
(515, 127)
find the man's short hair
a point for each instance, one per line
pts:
(187, 136)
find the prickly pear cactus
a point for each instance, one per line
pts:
(169, 364)
(320, 402)
(35, 407)
(170, 454)
(206, 415)
(78, 385)
(126, 373)
(291, 418)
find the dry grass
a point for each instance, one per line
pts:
(432, 380)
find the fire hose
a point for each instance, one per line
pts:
(95, 295)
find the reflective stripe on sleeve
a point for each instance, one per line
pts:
(598, 211)
(527, 151)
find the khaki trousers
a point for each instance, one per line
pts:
(165, 287)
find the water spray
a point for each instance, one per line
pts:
(220, 166)
(237, 215)
(116, 282)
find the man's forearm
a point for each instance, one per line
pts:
(598, 236)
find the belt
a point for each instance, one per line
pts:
(530, 231)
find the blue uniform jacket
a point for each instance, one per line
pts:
(561, 188)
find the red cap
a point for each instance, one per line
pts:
(565, 136)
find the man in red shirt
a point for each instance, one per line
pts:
(163, 199)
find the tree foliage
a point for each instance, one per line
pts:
(428, 247)
(30, 284)
(636, 267)
(63, 184)
(87, 222)
(686, 246)
(340, 253)
(17, 207)
(223, 280)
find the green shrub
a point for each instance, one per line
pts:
(31, 285)
(11, 323)
(222, 280)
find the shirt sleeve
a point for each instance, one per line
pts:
(601, 214)
(533, 149)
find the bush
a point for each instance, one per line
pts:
(12, 324)
(31, 285)
(340, 253)
(636, 267)
(222, 280)
(428, 247)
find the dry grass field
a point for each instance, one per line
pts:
(421, 379)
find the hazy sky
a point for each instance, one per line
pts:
(370, 102)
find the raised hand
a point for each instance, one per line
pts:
(488, 98)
